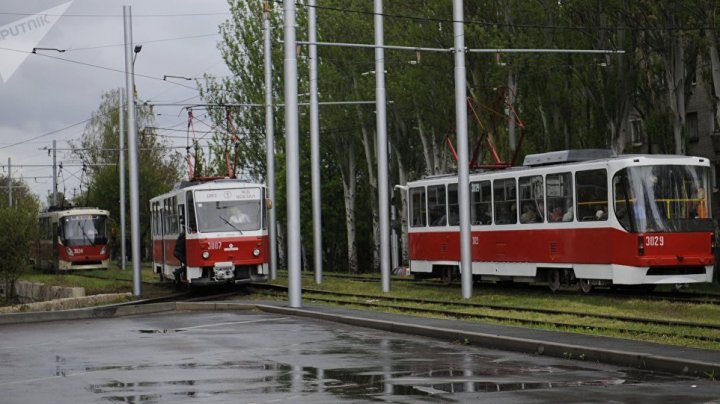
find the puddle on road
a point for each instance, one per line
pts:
(357, 383)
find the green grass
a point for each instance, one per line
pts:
(112, 280)
(539, 298)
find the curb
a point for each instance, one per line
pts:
(528, 346)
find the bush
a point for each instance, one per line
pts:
(18, 226)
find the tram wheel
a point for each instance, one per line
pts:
(585, 286)
(554, 280)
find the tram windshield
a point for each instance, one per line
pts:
(662, 198)
(83, 230)
(242, 211)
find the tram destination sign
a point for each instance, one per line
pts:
(237, 194)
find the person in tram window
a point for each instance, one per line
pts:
(238, 216)
(701, 207)
(556, 214)
(529, 215)
(568, 216)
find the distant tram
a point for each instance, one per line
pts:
(73, 239)
(576, 218)
(224, 228)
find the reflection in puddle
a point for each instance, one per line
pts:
(407, 379)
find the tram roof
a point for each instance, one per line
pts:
(567, 156)
(572, 157)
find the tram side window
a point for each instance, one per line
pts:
(453, 208)
(559, 190)
(592, 195)
(532, 199)
(480, 203)
(417, 207)
(505, 201)
(190, 203)
(437, 208)
(174, 216)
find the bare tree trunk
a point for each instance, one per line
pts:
(546, 129)
(675, 78)
(512, 90)
(715, 69)
(425, 144)
(369, 148)
(402, 179)
(349, 192)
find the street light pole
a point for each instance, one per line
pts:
(133, 152)
(121, 116)
(292, 157)
(270, 141)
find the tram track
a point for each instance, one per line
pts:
(624, 323)
(675, 296)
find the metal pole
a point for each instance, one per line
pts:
(270, 143)
(315, 145)
(382, 149)
(462, 147)
(292, 157)
(133, 153)
(121, 114)
(9, 183)
(54, 195)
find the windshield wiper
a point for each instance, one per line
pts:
(85, 235)
(230, 224)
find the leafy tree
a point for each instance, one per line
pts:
(16, 245)
(159, 165)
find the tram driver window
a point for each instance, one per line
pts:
(437, 208)
(592, 195)
(505, 201)
(417, 207)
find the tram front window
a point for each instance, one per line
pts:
(662, 198)
(227, 216)
(83, 230)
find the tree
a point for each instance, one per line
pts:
(159, 165)
(16, 246)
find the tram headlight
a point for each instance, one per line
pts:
(256, 252)
(205, 254)
(69, 251)
(102, 252)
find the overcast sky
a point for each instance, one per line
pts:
(44, 95)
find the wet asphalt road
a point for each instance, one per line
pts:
(253, 357)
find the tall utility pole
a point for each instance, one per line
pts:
(292, 157)
(382, 148)
(270, 140)
(9, 183)
(133, 153)
(121, 118)
(462, 147)
(54, 195)
(315, 145)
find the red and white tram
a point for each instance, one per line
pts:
(576, 217)
(225, 232)
(73, 239)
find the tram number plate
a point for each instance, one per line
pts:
(215, 245)
(654, 241)
(476, 240)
